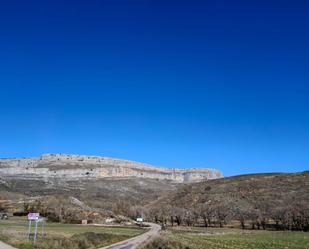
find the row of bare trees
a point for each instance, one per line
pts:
(290, 217)
(201, 214)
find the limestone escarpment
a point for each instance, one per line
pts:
(75, 167)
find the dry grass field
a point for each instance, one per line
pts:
(69, 236)
(201, 238)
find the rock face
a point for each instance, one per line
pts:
(77, 167)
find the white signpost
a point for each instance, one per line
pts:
(36, 218)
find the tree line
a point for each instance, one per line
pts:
(294, 216)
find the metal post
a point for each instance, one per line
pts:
(29, 229)
(36, 232)
(43, 229)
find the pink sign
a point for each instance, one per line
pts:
(33, 216)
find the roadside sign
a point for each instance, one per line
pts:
(36, 219)
(33, 216)
(139, 219)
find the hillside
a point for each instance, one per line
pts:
(71, 201)
(258, 198)
(245, 190)
(100, 193)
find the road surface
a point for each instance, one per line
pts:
(5, 246)
(133, 243)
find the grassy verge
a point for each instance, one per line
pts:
(229, 239)
(80, 241)
(68, 236)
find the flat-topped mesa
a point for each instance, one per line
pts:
(75, 167)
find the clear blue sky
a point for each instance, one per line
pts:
(220, 84)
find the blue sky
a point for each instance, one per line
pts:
(219, 84)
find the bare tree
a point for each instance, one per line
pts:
(221, 214)
(207, 213)
(179, 215)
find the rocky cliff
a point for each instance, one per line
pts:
(76, 167)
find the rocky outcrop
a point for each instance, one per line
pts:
(75, 167)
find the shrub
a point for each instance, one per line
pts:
(165, 243)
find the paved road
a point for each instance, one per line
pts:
(133, 243)
(5, 246)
